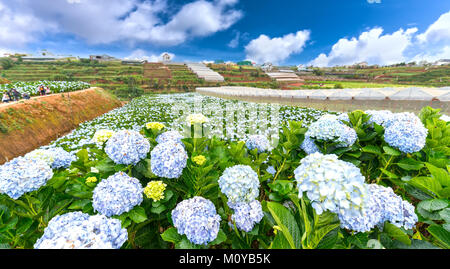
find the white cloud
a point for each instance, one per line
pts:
(438, 31)
(401, 46)
(277, 49)
(443, 53)
(106, 21)
(18, 29)
(140, 54)
(371, 46)
(234, 43)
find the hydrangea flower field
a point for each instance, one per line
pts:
(158, 173)
(31, 87)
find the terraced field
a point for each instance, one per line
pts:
(108, 76)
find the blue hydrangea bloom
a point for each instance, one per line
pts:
(259, 142)
(309, 146)
(117, 194)
(383, 205)
(22, 175)
(168, 136)
(343, 117)
(197, 219)
(55, 157)
(271, 170)
(401, 117)
(330, 128)
(246, 215)
(331, 184)
(168, 159)
(240, 184)
(127, 147)
(379, 117)
(77, 230)
(408, 137)
(61, 158)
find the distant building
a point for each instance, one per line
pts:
(361, 65)
(267, 66)
(302, 68)
(39, 59)
(166, 58)
(134, 61)
(421, 63)
(102, 58)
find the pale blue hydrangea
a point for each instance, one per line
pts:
(246, 215)
(379, 116)
(117, 194)
(77, 230)
(127, 147)
(169, 136)
(383, 205)
(168, 159)
(55, 157)
(330, 128)
(259, 142)
(331, 184)
(408, 137)
(405, 131)
(240, 184)
(197, 219)
(271, 170)
(61, 158)
(404, 117)
(22, 175)
(41, 154)
(309, 146)
(343, 117)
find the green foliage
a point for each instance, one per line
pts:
(6, 63)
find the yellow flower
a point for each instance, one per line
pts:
(155, 125)
(417, 235)
(101, 136)
(196, 118)
(155, 190)
(91, 180)
(199, 160)
(276, 228)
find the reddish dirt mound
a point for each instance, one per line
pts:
(29, 124)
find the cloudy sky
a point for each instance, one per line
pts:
(319, 32)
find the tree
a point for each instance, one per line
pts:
(6, 63)
(318, 72)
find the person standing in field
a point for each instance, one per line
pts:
(5, 98)
(47, 90)
(41, 90)
(16, 94)
(9, 93)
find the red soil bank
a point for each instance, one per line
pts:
(29, 124)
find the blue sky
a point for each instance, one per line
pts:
(320, 32)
